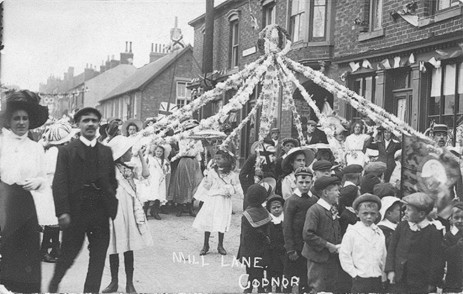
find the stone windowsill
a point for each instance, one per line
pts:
(441, 16)
(302, 44)
(371, 35)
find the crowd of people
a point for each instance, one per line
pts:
(333, 223)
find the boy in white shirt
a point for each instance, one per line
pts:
(363, 248)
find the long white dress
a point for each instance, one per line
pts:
(288, 185)
(129, 230)
(216, 212)
(354, 149)
(157, 179)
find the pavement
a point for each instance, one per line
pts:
(173, 264)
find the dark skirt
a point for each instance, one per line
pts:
(20, 266)
(186, 180)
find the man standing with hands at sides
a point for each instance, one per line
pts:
(84, 189)
(322, 238)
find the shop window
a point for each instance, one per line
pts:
(364, 86)
(183, 94)
(445, 104)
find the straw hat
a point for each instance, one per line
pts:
(59, 133)
(289, 157)
(120, 145)
(137, 122)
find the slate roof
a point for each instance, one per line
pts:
(146, 74)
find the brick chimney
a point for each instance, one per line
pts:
(157, 51)
(102, 67)
(114, 62)
(89, 72)
(127, 56)
(108, 64)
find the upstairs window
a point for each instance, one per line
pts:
(317, 20)
(444, 4)
(183, 94)
(297, 20)
(375, 18)
(269, 14)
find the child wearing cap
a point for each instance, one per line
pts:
(390, 216)
(414, 261)
(295, 210)
(363, 249)
(453, 251)
(276, 252)
(322, 237)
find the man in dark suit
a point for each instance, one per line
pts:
(386, 149)
(312, 134)
(84, 188)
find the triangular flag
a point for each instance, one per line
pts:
(378, 66)
(422, 67)
(354, 66)
(411, 59)
(396, 61)
(366, 64)
(441, 53)
(386, 64)
(436, 63)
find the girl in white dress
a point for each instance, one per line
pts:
(159, 169)
(219, 185)
(355, 144)
(129, 230)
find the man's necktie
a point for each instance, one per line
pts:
(334, 212)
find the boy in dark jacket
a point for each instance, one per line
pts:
(453, 252)
(296, 207)
(254, 238)
(322, 237)
(414, 262)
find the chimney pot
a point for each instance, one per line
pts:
(126, 46)
(130, 47)
(152, 45)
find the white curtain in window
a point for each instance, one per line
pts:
(319, 15)
(368, 88)
(449, 79)
(436, 81)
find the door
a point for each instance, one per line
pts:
(402, 104)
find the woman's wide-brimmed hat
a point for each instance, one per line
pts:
(120, 145)
(28, 101)
(291, 155)
(128, 122)
(59, 133)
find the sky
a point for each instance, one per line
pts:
(45, 37)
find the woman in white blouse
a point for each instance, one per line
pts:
(355, 146)
(22, 173)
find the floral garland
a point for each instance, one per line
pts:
(243, 122)
(269, 89)
(288, 104)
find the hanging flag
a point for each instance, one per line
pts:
(366, 64)
(396, 61)
(386, 63)
(354, 66)
(441, 52)
(422, 67)
(411, 59)
(436, 63)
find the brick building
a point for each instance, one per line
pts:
(336, 37)
(163, 80)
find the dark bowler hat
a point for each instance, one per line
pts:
(86, 110)
(29, 102)
(352, 169)
(275, 130)
(324, 182)
(367, 197)
(322, 165)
